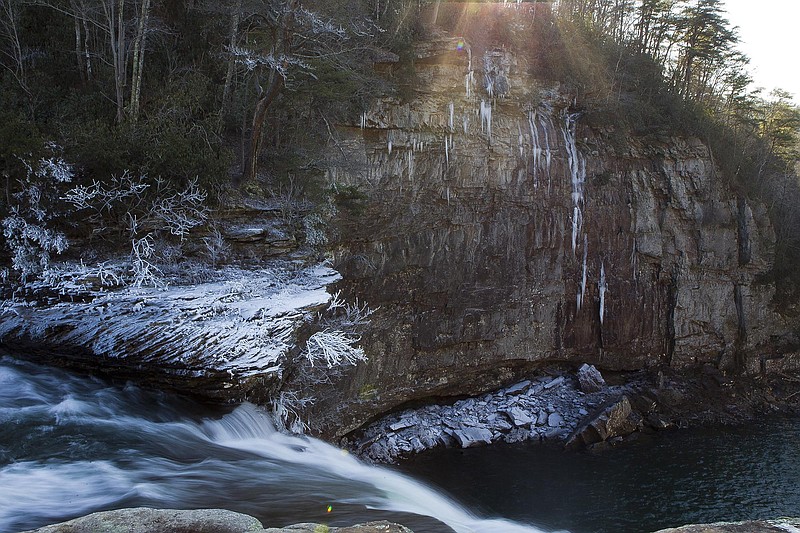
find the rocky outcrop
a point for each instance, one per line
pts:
(228, 339)
(548, 408)
(784, 525)
(503, 231)
(615, 418)
(145, 520)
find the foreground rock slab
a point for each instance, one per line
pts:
(145, 520)
(223, 339)
(783, 525)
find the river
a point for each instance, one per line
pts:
(72, 445)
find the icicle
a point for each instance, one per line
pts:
(536, 149)
(489, 86)
(448, 196)
(577, 169)
(548, 153)
(486, 118)
(452, 109)
(363, 120)
(576, 225)
(583, 276)
(469, 79)
(603, 287)
(466, 124)
(446, 150)
(390, 147)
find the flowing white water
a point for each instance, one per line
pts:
(71, 446)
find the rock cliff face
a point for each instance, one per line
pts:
(502, 232)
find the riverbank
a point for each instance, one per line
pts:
(146, 520)
(579, 409)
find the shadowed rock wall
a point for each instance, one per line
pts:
(502, 232)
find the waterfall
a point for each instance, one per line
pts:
(89, 446)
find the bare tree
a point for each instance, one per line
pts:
(13, 52)
(138, 58)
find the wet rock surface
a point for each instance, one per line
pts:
(553, 408)
(784, 525)
(144, 520)
(502, 234)
(544, 408)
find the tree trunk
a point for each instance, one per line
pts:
(138, 59)
(250, 163)
(267, 98)
(116, 39)
(234, 36)
(78, 47)
(86, 56)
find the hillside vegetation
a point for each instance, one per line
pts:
(142, 116)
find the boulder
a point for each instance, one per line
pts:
(473, 436)
(612, 419)
(145, 520)
(590, 379)
(519, 417)
(555, 420)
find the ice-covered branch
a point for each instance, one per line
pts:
(334, 348)
(182, 211)
(280, 64)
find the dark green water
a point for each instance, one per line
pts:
(667, 480)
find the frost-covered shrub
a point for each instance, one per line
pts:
(151, 211)
(182, 210)
(216, 249)
(154, 205)
(26, 228)
(286, 411)
(31, 245)
(314, 228)
(336, 344)
(143, 270)
(334, 348)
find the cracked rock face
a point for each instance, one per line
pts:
(502, 233)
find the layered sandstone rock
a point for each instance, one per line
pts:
(501, 231)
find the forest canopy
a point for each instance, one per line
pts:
(196, 96)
